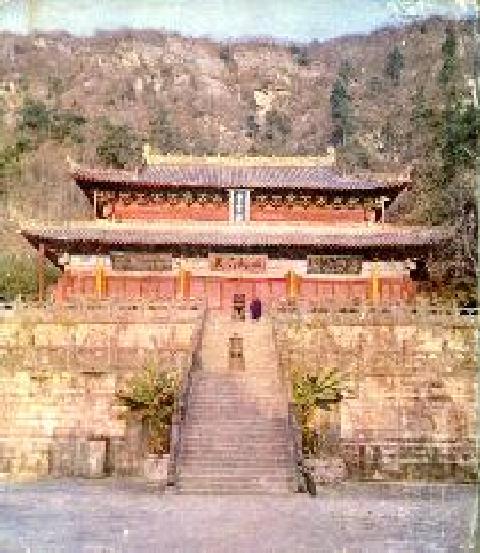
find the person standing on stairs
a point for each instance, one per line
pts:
(256, 309)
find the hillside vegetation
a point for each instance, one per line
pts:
(394, 98)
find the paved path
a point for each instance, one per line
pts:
(117, 517)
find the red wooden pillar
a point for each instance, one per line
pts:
(41, 271)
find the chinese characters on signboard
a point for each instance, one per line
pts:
(334, 265)
(141, 262)
(238, 263)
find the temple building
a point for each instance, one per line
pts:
(221, 228)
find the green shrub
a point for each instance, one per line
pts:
(150, 398)
(18, 276)
(118, 145)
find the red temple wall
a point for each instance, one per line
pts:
(311, 213)
(220, 212)
(219, 291)
(195, 211)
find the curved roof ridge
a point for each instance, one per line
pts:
(167, 176)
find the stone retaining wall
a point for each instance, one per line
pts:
(409, 391)
(58, 413)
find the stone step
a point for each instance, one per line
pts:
(248, 378)
(260, 410)
(240, 398)
(233, 432)
(229, 449)
(250, 445)
(243, 421)
(230, 471)
(229, 417)
(232, 399)
(215, 414)
(223, 441)
(235, 437)
(237, 385)
(231, 392)
(214, 462)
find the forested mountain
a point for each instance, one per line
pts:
(398, 97)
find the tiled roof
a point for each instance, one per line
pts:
(243, 236)
(218, 176)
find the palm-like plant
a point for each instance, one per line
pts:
(311, 392)
(150, 398)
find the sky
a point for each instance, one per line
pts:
(298, 20)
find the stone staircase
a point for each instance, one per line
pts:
(234, 439)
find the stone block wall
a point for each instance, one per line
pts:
(58, 413)
(409, 390)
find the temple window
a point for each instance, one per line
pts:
(143, 199)
(337, 202)
(277, 201)
(172, 198)
(305, 201)
(290, 200)
(202, 198)
(261, 201)
(188, 198)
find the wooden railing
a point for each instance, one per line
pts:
(181, 403)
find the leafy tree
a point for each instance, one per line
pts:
(341, 110)
(34, 118)
(444, 138)
(450, 63)
(66, 124)
(18, 276)
(345, 73)
(252, 127)
(225, 54)
(420, 110)
(375, 86)
(394, 65)
(300, 55)
(164, 136)
(37, 123)
(55, 87)
(278, 126)
(118, 146)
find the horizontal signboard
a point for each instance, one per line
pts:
(334, 265)
(141, 261)
(238, 263)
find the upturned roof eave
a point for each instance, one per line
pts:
(86, 178)
(429, 238)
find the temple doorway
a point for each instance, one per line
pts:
(239, 307)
